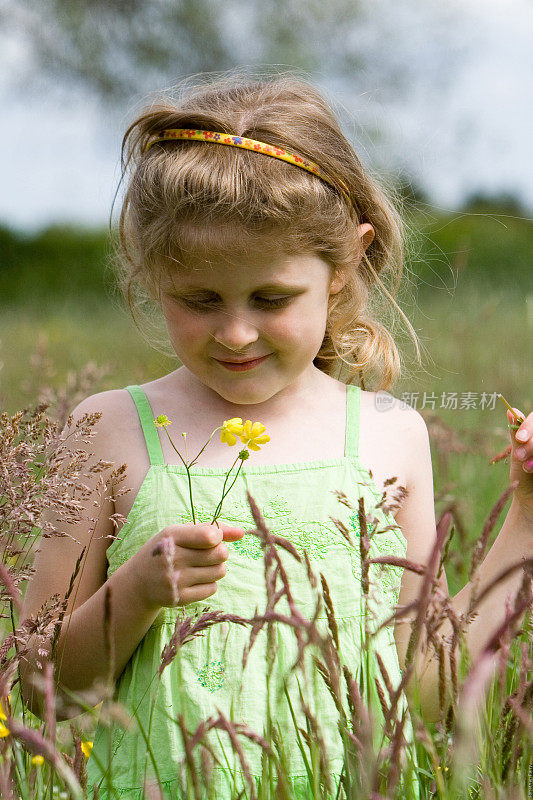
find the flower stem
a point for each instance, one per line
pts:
(175, 448)
(224, 491)
(519, 418)
(188, 474)
(197, 456)
(187, 466)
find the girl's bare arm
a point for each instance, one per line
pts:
(513, 545)
(95, 645)
(80, 649)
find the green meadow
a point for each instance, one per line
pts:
(468, 294)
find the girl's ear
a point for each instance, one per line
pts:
(337, 282)
(366, 234)
(366, 237)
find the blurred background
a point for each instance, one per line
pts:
(436, 97)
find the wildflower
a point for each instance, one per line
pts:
(4, 731)
(86, 748)
(2, 712)
(231, 428)
(252, 435)
(162, 421)
(37, 761)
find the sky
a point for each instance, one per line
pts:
(459, 126)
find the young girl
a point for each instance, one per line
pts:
(249, 220)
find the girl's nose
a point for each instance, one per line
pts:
(235, 333)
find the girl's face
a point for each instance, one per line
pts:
(250, 328)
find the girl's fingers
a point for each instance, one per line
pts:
(198, 537)
(205, 558)
(230, 533)
(522, 437)
(520, 426)
(194, 576)
(195, 594)
(516, 418)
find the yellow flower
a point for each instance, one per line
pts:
(162, 421)
(86, 748)
(231, 428)
(4, 731)
(2, 712)
(38, 761)
(252, 435)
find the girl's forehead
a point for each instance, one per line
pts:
(209, 238)
(261, 268)
(218, 253)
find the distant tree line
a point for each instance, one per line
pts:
(482, 242)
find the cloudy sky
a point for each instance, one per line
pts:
(460, 125)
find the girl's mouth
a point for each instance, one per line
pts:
(243, 365)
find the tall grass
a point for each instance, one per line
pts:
(473, 343)
(476, 341)
(482, 746)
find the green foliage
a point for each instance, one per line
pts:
(472, 341)
(482, 246)
(56, 264)
(479, 246)
(117, 48)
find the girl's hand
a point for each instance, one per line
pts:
(181, 564)
(522, 461)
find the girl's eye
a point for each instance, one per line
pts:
(193, 302)
(273, 302)
(266, 302)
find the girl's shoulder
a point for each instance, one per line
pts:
(116, 434)
(114, 407)
(391, 433)
(384, 409)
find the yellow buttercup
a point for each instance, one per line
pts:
(254, 434)
(231, 428)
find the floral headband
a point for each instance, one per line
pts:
(249, 144)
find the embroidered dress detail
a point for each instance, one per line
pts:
(299, 502)
(212, 676)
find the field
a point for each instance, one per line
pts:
(471, 344)
(468, 294)
(471, 304)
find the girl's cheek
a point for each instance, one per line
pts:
(183, 327)
(189, 331)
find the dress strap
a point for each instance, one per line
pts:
(353, 405)
(146, 417)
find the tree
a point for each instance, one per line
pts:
(117, 48)
(125, 47)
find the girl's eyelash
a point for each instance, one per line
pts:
(269, 302)
(274, 302)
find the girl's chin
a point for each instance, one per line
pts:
(241, 396)
(241, 390)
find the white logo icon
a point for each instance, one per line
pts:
(384, 401)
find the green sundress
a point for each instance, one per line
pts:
(297, 502)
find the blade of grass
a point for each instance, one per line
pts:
(300, 744)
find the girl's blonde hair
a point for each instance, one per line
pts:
(188, 196)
